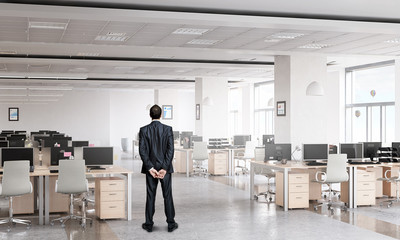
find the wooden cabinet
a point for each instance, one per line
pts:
(179, 161)
(110, 198)
(24, 204)
(389, 189)
(298, 190)
(218, 163)
(366, 185)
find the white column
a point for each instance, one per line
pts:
(306, 116)
(213, 121)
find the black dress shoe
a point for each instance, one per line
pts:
(147, 227)
(173, 227)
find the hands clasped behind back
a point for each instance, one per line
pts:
(157, 174)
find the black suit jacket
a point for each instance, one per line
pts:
(156, 147)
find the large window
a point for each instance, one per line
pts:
(370, 100)
(263, 109)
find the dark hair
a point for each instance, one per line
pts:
(155, 112)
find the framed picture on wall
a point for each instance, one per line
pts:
(197, 111)
(167, 111)
(13, 114)
(281, 108)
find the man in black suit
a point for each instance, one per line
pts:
(156, 148)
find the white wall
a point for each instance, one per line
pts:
(397, 100)
(335, 107)
(84, 115)
(102, 116)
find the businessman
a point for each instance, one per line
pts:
(156, 148)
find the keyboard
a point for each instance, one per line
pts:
(363, 163)
(316, 163)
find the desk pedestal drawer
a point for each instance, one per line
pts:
(114, 209)
(366, 197)
(298, 200)
(112, 196)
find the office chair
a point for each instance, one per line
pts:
(15, 182)
(72, 180)
(246, 155)
(268, 173)
(336, 172)
(394, 180)
(200, 154)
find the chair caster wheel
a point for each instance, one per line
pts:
(270, 199)
(52, 223)
(8, 229)
(315, 208)
(63, 225)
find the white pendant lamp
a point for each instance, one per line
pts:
(315, 89)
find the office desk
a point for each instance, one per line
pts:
(45, 173)
(285, 168)
(231, 159)
(187, 151)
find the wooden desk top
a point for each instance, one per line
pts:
(301, 165)
(44, 171)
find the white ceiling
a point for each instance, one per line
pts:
(243, 41)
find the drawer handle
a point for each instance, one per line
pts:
(113, 207)
(112, 184)
(298, 186)
(366, 195)
(299, 177)
(298, 197)
(112, 194)
(366, 175)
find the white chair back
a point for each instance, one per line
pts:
(259, 154)
(249, 151)
(200, 151)
(16, 178)
(336, 168)
(72, 177)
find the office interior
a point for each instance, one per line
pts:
(300, 74)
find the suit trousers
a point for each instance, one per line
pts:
(151, 188)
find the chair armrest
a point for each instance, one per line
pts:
(320, 173)
(386, 172)
(240, 154)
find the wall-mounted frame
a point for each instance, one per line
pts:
(167, 111)
(13, 114)
(281, 108)
(197, 111)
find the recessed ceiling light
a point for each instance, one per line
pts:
(49, 89)
(88, 54)
(190, 31)
(118, 34)
(273, 40)
(78, 70)
(122, 68)
(138, 72)
(38, 65)
(162, 56)
(203, 41)
(245, 59)
(286, 35)
(180, 71)
(396, 40)
(314, 46)
(48, 25)
(8, 76)
(8, 52)
(111, 38)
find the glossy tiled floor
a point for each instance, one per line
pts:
(219, 208)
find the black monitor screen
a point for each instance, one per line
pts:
(3, 143)
(15, 154)
(16, 143)
(176, 135)
(371, 149)
(20, 132)
(278, 151)
(353, 150)
(268, 139)
(17, 137)
(396, 149)
(7, 132)
(240, 140)
(97, 156)
(315, 151)
(3, 138)
(80, 143)
(58, 153)
(185, 139)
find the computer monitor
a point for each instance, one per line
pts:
(315, 152)
(353, 150)
(3, 143)
(268, 139)
(396, 149)
(20, 132)
(185, 139)
(3, 138)
(17, 137)
(58, 135)
(16, 154)
(98, 156)
(278, 151)
(44, 131)
(176, 135)
(195, 138)
(58, 153)
(80, 143)
(7, 132)
(371, 149)
(333, 149)
(240, 140)
(36, 133)
(16, 142)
